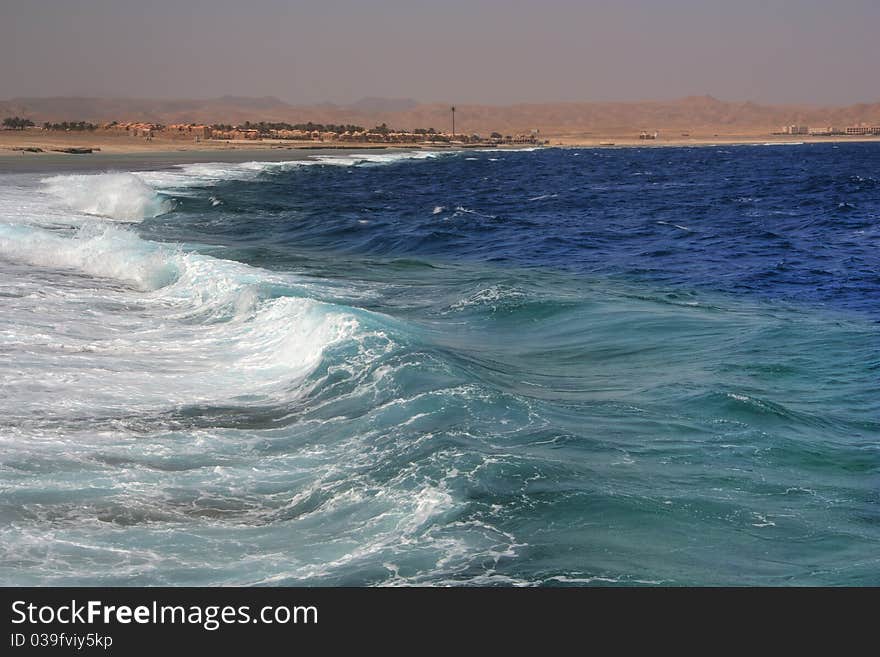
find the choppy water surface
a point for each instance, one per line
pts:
(548, 367)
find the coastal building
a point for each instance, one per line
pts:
(144, 130)
(186, 131)
(290, 134)
(796, 130)
(234, 133)
(524, 139)
(863, 130)
(497, 139)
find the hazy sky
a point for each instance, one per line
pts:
(487, 51)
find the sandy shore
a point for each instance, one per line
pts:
(118, 151)
(11, 141)
(145, 161)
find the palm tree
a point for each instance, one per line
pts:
(17, 123)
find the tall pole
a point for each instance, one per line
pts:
(453, 121)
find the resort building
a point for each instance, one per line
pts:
(863, 130)
(235, 133)
(145, 130)
(186, 131)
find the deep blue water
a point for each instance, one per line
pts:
(785, 222)
(544, 367)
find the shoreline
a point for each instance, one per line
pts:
(158, 159)
(721, 140)
(113, 153)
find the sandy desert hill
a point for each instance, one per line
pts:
(694, 113)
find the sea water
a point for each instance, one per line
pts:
(548, 367)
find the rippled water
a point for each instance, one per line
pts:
(551, 367)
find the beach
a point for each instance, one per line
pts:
(117, 151)
(122, 153)
(112, 151)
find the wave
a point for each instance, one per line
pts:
(460, 210)
(184, 176)
(494, 297)
(101, 251)
(204, 330)
(185, 419)
(377, 158)
(679, 226)
(514, 149)
(118, 196)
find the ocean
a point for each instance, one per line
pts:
(551, 367)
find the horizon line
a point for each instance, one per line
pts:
(230, 96)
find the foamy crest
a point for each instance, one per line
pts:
(200, 319)
(119, 196)
(185, 176)
(494, 297)
(375, 158)
(289, 336)
(98, 250)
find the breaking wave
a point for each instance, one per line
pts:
(186, 176)
(118, 196)
(97, 250)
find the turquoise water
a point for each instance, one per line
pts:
(558, 367)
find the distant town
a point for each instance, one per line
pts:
(828, 131)
(309, 132)
(22, 134)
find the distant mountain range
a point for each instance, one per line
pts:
(694, 113)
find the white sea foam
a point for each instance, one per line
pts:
(494, 297)
(187, 328)
(185, 176)
(460, 209)
(530, 149)
(102, 251)
(181, 177)
(679, 226)
(118, 196)
(202, 330)
(375, 158)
